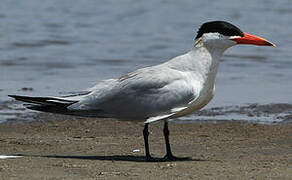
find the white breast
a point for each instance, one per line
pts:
(203, 99)
(202, 65)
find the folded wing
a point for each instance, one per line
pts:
(148, 94)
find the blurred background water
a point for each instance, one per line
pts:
(54, 47)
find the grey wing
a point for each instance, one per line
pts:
(148, 95)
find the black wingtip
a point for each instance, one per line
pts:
(13, 96)
(19, 98)
(16, 96)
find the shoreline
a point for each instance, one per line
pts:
(66, 147)
(272, 113)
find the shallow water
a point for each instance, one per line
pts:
(56, 47)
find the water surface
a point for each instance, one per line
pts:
(56, 47)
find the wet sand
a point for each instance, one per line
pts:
(65, 147)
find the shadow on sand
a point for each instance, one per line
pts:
(107, 158)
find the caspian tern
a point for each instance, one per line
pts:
(176, 88)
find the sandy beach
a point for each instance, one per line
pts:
(65, 147)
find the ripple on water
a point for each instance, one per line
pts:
(40, 43)
(116, 62)
(256, 113)
(14, 111)
(257, 58)
(41, 65)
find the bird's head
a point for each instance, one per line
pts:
(221, 34)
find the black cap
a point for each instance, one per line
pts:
(221, 27)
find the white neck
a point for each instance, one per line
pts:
(207, 59)
(202, 62)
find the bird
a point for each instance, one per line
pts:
(175, 88)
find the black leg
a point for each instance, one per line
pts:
(146, 134)
(166, 137)
(169, 156)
